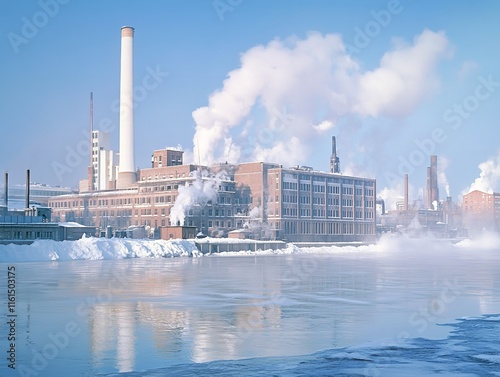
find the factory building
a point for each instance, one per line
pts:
(149, 201)
(300, 204)
(295, 204)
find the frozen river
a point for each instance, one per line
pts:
(369, 311)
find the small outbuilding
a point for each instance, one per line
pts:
(176, 232)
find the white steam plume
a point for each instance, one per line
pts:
(200, 191)
(391, 196)
(442, 165)
(316, 81)
(488, 177)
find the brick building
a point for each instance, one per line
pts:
(295, 204)
(300, 204)
(481, 210)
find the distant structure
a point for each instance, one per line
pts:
(334, 159)
(127, 173)
(32, 222)
(14, 197)
(442, 218)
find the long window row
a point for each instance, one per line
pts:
(27, 235)
(327, 228)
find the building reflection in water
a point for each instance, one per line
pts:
(125, 349)
(217, 309)
(112, 327)
(192, 316)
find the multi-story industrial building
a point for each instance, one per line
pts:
(149, 201)
(300, 204)
(296, 204)
(481, 210)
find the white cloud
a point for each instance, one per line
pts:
(324, 126)
(405, 77)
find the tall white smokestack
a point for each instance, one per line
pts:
(126, 172)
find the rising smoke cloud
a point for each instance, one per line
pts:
(489, 176)
(200, 191)
(441, 171)
(316, 81)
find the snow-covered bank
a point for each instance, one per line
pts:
(114, 248)
(121, 248)
(97, 248)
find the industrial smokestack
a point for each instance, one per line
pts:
(6, 190)
(429, 196)
(28, 188)
(434, 180)
(334, 160)
(126, 175)
(406, 193)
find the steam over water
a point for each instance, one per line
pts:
(401, 307)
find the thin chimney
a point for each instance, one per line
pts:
(28, 188)
(6, 190)
(90, 172)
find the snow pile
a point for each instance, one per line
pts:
(97, 248)
(290, 249)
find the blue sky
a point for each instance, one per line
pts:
(47, 77)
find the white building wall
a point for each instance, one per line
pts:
(104, 160)
(108, 168)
